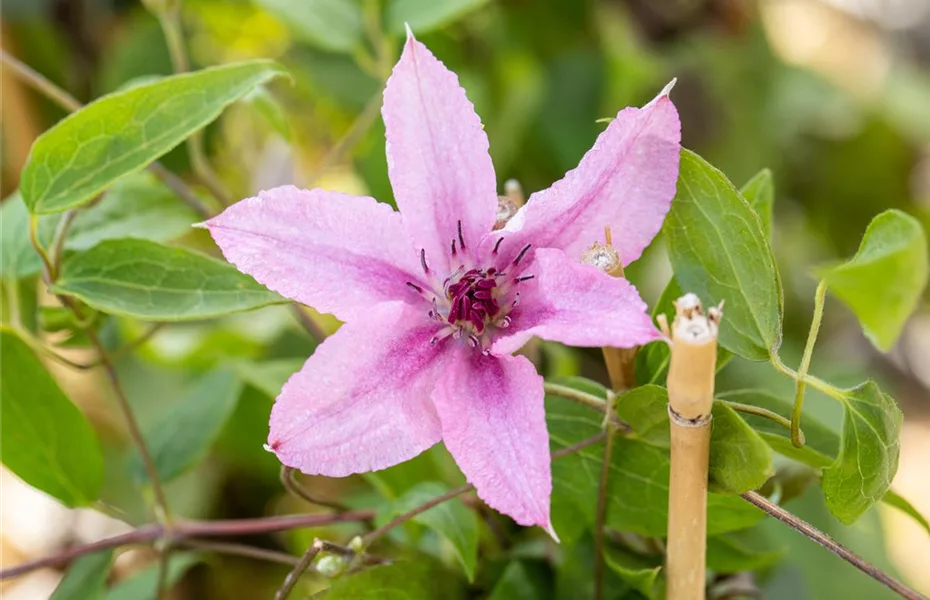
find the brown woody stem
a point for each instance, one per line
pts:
(811, 532)
(600, 514)
(183, 530)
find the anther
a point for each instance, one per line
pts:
(453, 248)
(504, 323)
(473, 341)
(523, 252)
(415, 287)
(497, 245)
(516, 299)
(524, 278)
(461, 237)
(423, 260)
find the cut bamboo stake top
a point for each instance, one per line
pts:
(690, 400)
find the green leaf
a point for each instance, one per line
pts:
(516, 583)
(821, 443)
(268, 376)
(44, 438)
(452, 520)
(86, 578)
(402, 580)
(746, 550)
(573, 580)
(137, 206)
(424, 16)
(892, 499)
(18, 259)
(883, 282)
(328, 24)
(739, 458)
(121, 133)
(143, 586)
(719, 252)
(638, 484)
(271, 110)
(759, 192)
(868, 457)
(145, 280)
(638, 572)
(185, 431)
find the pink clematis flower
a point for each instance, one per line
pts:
(435, 300)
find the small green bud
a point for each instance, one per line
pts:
(330, 565)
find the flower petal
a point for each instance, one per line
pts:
(437, 156)
(494, 424)
(625, 181)
(362, 401)
(578, 305)
(337, 253)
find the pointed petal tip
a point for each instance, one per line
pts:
(409, 32)
(668, 88)
(551, 531)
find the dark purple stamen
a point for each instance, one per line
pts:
(415, 287)
(461, 238)
(497, 245)
(472, 299)
(525, 278)
(423, 260)
(453, 248)
(523, 252)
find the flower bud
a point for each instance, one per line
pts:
(603, 257)
(330, 565)
(357, 544)
(509, 203)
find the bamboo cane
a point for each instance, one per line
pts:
(691, 396)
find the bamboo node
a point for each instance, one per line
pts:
(698, 421)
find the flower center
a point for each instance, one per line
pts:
(472, 299)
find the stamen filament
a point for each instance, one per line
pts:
(461, 238)
(423, 260)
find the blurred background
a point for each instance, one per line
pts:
(832, 95)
